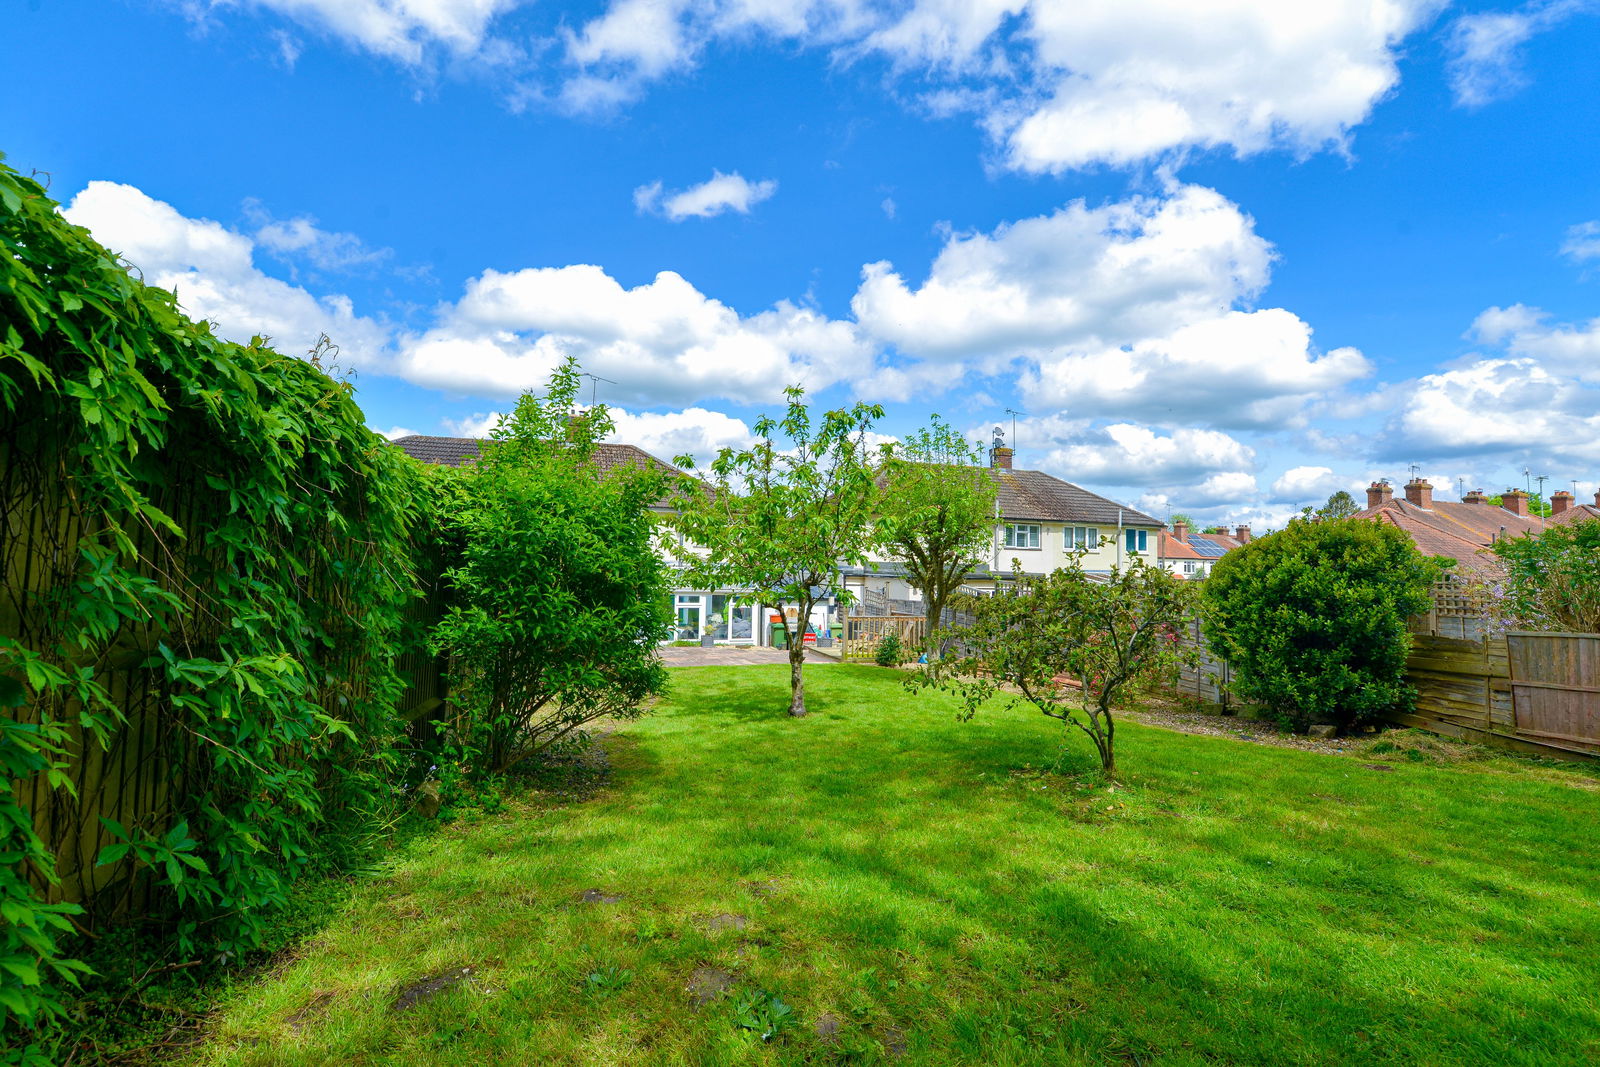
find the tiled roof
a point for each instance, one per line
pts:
(445, 451)
(1039, 496)
(1575, 513)
(1459, 531)
(455, 451)
(1169, 547)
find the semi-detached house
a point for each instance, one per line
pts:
(1041, 523)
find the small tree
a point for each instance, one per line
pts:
(557, 595)
(1340, 505)
(1553, 578)
(1070, 645)
(936, 513)
(1313, 618)
(780, 518)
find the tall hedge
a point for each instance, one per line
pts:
(212, 526)
(1313, 619)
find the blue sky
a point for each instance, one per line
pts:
(1226, 261)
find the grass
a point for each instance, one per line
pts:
(878, 882)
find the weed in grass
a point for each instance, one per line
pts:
(607, 980)
(763, 1014)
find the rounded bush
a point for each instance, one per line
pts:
(1313, 619)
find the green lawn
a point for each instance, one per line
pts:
(920, 886)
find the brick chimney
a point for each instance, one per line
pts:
(1241, 534)
(1379, 494)
(1597, 498)
(1515, 501)
(1000, 457)
(1180, 530)
(1475, 496)
(1419, 491)
(1560, 502)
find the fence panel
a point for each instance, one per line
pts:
(1555, 686)
(863, 633)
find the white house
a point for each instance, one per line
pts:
(1042, 523)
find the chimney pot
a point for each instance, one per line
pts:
(1560, 502)
(1242, 534)
(1000, 457)
(1515, 501)
(1180, 530)
(1419, 492)
(1379, 494)
(1476, 496)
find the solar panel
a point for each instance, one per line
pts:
(1209, 549)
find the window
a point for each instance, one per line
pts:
(1022, 535)
(1135, 540)
(1085, 537)
(1188, 567)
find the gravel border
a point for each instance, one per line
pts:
(1256, 731)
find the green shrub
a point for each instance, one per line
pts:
(889, 653)
(1313, 619)
(1553, 579)
(556, 595)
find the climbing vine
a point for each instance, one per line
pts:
(207, 562)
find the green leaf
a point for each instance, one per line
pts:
(112, 854)
(26, 970)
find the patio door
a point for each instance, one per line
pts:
(732, 620)
(687, 625)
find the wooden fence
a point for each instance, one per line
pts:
(1529, 691)
(1206, 680)
(146, 758)
(863, 633)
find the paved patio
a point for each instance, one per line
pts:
(736, 656)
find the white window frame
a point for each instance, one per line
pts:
(1027, 533)
(1135, 540)
(1082, 537)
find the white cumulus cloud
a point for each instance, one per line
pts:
(1131, 454)
(1307, 484)
(1253, 369)
(1059, 85)
(662, 341)
(1080, 276)
(212, 269)
(1131, 309)
(714, 196)
(401, 30)
(1564, 348)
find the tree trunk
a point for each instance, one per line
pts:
(797, 682)
(1106, 743)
